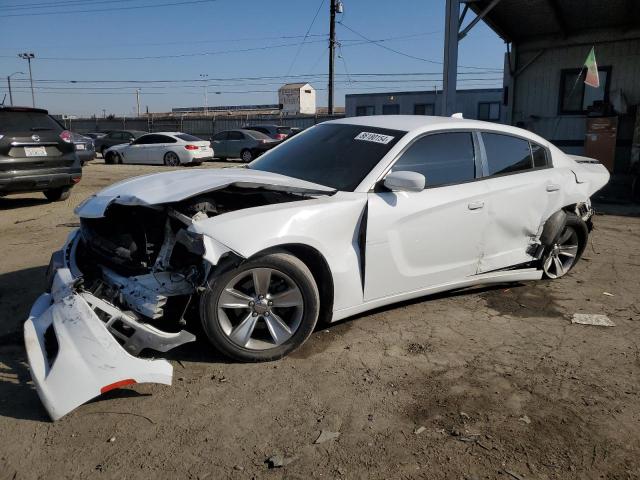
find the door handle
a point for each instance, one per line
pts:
(476, 205)
(553, 187)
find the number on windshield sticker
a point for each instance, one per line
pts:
(374, 137)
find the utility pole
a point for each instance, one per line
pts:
(9, 84)
(138, 100)
(332, 47)
(206, 99)
(28, 56)
(104, 113)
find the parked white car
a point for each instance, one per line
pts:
(168, 148)
(348, 216)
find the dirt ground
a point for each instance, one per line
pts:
(497, 382)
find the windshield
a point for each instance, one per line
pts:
(335, 155)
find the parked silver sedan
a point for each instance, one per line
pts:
(243, 144)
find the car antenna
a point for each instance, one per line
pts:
(3, 100)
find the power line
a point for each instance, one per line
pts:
(137, 7)
(265, 77)
(379, 44)
(159, 57)
(189, 42)
(64, 3)
(295, 57)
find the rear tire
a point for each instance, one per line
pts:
(108, 159)
(171, 159)
(559, 258)
(246, 156)
(57, 194)
(272, 307)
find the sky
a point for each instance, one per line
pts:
(92, 55)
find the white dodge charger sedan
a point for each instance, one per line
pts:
(347, 216)
(168, 148)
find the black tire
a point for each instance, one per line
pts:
(170, 159)
(117, 158)
(577, 225)
(108, 159)
(282, 262)
(246, 155)
(57, 194)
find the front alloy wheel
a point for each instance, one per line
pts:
(262, 310)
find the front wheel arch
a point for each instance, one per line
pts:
(319, 267)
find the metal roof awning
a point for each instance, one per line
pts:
(522, 20)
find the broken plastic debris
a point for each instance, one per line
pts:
(326, 435)
(525, 419)
(608, 294)
(419, 430)
(592, 319)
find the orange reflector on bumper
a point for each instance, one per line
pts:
(121, 383)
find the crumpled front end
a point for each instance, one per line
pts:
(72, 355)
(128, 280)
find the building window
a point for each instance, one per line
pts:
(365, 110)
(576, 98)
(489, 111)
(423, 109)
(391, 109)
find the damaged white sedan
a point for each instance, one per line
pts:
(347, 216)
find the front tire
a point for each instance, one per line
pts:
(57, 194)
(263, 309)
(561, 257)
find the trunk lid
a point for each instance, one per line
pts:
(30, 140)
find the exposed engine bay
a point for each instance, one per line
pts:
(144, 261)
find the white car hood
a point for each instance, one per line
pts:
(169, 187)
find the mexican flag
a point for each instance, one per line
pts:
(592, 79)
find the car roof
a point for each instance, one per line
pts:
(423, 123)
(24, 109)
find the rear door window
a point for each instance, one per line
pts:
(506, 154)
(11, 121)
(443, 158)
(540, 157)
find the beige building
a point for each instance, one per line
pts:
(297, 98)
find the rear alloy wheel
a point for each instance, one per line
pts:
(171, 159)
(246, 156)
(562, 256)
(116, 158)
(262, 310)
(57, 194)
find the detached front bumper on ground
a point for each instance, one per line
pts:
(72, 355)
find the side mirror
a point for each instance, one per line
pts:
(405, 181)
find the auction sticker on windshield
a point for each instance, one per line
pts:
(374, 137)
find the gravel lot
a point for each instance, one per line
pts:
(496, 381)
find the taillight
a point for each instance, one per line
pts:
(65, 135)
(280, 136)
(191, 147)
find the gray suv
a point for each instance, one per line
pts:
(36, 154)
